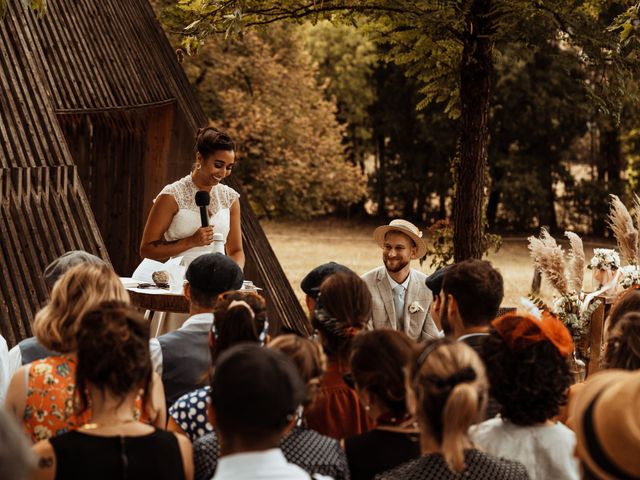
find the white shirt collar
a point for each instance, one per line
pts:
(198, 323)
(394, 284)
(256, 465)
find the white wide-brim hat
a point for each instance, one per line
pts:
(406, 228)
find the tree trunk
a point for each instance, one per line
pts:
(475, 90)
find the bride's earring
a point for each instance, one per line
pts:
(198, 166)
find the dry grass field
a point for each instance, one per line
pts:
(300, 246)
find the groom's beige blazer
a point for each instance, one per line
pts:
(417, 325)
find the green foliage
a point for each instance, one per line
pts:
(291, 158)
(440, 245)
(346, 61)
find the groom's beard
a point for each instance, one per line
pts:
(394, 265)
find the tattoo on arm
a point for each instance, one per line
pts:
(45, 462)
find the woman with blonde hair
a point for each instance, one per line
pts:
(447, 392)
(41, 394)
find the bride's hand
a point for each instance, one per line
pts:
(203, 236)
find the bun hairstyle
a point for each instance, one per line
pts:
(450, 389)
(210, 140)
(379, 360)
(623, 344)
(113, 352)
(238, 317)
(309, 359)
(342, 310)
(81, 288)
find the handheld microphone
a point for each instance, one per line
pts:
(202, 201)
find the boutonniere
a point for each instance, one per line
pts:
(415, 307)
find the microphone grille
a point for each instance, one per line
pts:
(202, 198)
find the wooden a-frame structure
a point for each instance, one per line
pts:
(96, 116)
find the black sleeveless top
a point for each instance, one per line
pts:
(82, 456)
(378, 451)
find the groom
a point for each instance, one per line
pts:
(401, 300)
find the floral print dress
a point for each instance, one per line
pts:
(49, 410)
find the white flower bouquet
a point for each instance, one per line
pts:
(604, 259)
(629, 276)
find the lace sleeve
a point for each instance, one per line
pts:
(182, 191)
(229, 196)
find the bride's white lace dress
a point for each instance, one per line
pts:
(187, 220)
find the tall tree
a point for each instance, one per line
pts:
(448, 45)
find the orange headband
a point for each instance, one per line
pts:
(521, 330)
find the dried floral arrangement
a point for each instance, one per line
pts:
(625, 230)
(566, 276)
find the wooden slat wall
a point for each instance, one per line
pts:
(43, 209)
(100, 66)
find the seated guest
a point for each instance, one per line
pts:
(310, 284)
(378, 363)
(16, 458)
(302, 446)
(113, 365)
(239, 317)
(526, 360)
(471, 295)
(41, 393)
(434, 283)
(606, 419)
(622, 349)
(29, 349)
(342, 311)
(181, 357)
(255, 393)
(400, 298)
(447, 393)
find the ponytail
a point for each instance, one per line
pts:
(460, 412)
(238, 317)
(450, 385)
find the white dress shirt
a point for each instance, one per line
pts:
(263, 465)
(200, 322)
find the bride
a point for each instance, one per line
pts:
(173, 227)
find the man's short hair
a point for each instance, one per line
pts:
(311, 282)
(478, 289)
(211, 274)
(255, 392)
(66, 262)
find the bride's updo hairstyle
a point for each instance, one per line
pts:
(210, 140)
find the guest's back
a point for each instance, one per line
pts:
(378, 451)
(378, 362)
(526, 360)
(479, 466)
(342, 310)
(81, 455)
(113, 365)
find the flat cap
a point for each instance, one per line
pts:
(311, 282)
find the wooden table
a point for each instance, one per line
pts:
(158, 302)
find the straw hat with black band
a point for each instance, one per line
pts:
(606, 420)
(406, 228)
